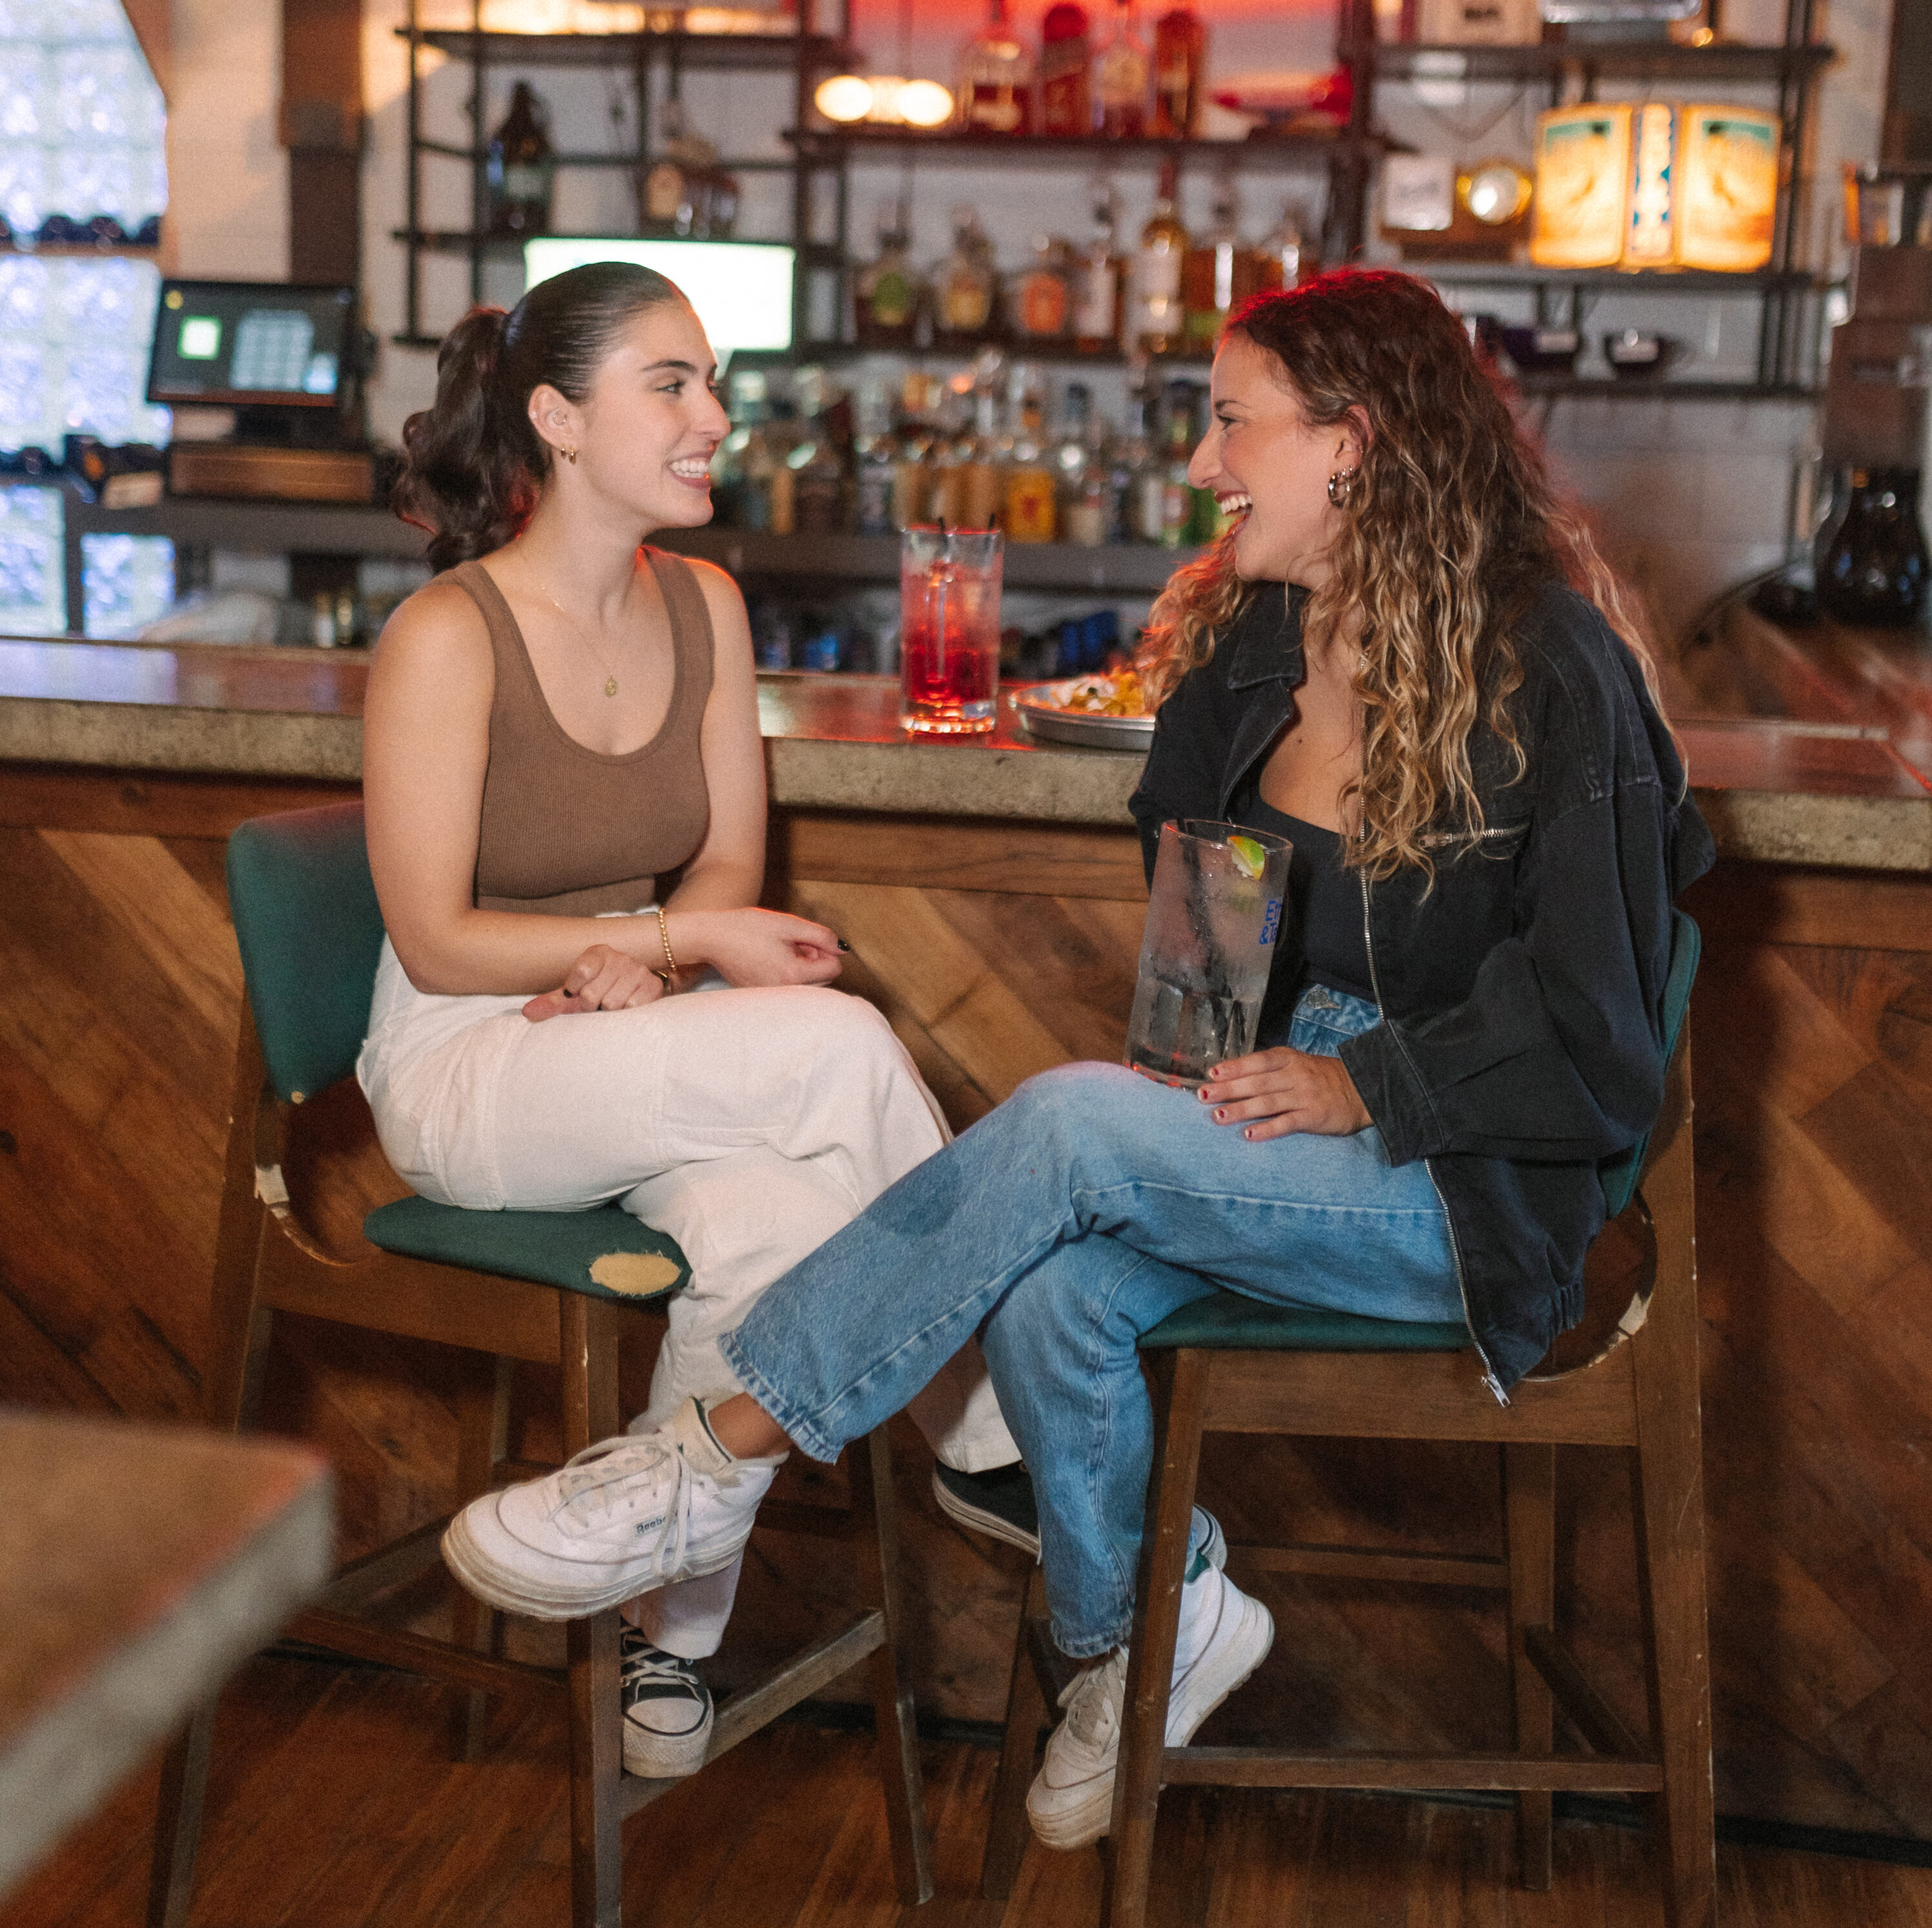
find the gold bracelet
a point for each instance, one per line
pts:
(670, 970)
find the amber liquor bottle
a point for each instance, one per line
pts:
(996, 78)
(520, 168)
(1180, 52)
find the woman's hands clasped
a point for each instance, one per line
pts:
(1273, 1092)
(745, 947)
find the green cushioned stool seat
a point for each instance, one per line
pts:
(1229, 1322)
(606, 1253)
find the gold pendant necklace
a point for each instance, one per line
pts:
(610, 674)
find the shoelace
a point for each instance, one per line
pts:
(1093, 1700)
(596, 1487)
(642, 1662)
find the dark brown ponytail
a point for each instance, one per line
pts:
(474, 465)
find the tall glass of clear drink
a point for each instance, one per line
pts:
(950, 630)
(1213, 915)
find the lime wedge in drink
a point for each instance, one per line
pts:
(1249, 855)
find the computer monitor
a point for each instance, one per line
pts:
(251, 345)
(742, 290)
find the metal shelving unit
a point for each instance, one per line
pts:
(807, 53)
(1789, 323)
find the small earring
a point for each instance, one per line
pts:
(570, 456)
(1342, 485)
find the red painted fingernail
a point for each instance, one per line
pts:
(1220, 1117)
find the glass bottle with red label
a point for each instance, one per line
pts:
(1066, 105)
(1179, 54)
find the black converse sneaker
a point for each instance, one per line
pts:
(999, 1503)
(667, 1710)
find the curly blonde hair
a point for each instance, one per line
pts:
(1452, 527)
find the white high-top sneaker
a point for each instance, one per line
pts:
(625, 1517)
(1224, 1637)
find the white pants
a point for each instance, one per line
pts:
(749, 1125)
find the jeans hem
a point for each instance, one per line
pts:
(1087, 1649)
(808, 1437)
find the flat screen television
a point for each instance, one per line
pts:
(251, 345)
(742, 290)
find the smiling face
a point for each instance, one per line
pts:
(645, 432)
(1266, 461)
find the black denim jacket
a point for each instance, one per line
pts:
(1521, 1039)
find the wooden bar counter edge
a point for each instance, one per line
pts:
(991, 892)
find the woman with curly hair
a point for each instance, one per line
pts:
(1407, 657)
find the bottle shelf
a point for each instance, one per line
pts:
(1075, 150)
(775, 52)
(1636, 60)
(1597, 280)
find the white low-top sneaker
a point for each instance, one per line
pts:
(625, 1517)
(1225, 1637)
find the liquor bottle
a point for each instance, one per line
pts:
(683, 191)
(877, 451)
(1149, 486)
(818, 462)
(1040, 299)
(963, 288)
(1121, 77)
(1286, 260)
(1030, 494)
(1219, 274)
(1097, 274)
(1125, 455)
(953, 453)
(1176, 500)
(995, 92)
(520, 167)
(983, 484)
(1082, 475)
(1872, 561)
(1180, 54)
(918, 442)
(886, 294)
(784, 440)
(1156, 321)
(1065, 103)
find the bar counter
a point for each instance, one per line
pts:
(991, 890)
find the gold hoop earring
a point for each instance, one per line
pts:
(1342, 485)
(570, 456)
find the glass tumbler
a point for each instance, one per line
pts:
(1213, 916)
(949, 630)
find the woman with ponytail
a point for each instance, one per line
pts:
(578, 1000)
(1407, 659)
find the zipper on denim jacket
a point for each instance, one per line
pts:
(1489, 1378)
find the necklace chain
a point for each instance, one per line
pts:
(610, 674)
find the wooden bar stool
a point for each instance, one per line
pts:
(552, 1287)
(1227, 1364)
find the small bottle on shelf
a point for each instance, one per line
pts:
(1149, 484)
(520, 167)
(1040, 299)
(996, 79)
(918, 445)
(1097, 274)
(1031, 500)
(887, 291)
(1082, 476)
(1065, 103)
(1176, 499)
(963, 287)
(1219, 274)
(1286, 260)
(1121, 79)
(1180, 54)
(983, 482)
(1156, 320)
(876, 450)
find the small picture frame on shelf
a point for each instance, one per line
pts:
(1619, 13)
(1418, 194)
(1582, 186)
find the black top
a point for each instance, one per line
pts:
(1325, 906)
(1521, 985)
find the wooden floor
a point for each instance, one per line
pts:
(334, 1806)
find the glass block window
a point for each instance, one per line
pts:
(33, 587)
(81, 125)
(128, 582)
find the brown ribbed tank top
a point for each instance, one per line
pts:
(568, 831)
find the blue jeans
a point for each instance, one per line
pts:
(1060, 1227)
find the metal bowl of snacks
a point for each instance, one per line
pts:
(1095, 712)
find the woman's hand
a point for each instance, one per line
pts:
(1285, 1090)
(756, 947)
(601, 979)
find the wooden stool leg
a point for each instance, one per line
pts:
(1026, 1715)
(589, 1358)
(1529, 1507)
(482, 1438)
(1179, 1385)
(870, 1469)
(178, 1822)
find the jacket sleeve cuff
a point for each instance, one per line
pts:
(1388, 1086)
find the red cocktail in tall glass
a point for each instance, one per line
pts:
(950, 630)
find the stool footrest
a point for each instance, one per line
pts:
(777, 1692)
(361, 1581)
(1553, 1659)
(1362, 1562)
(416, 1653)
(1266, 1768)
